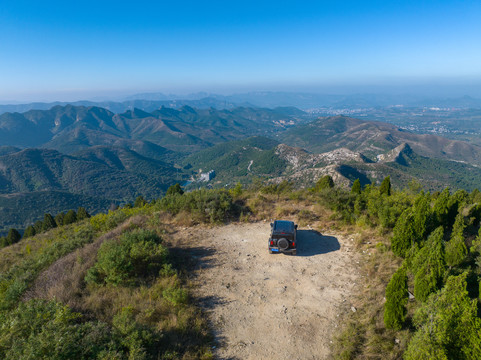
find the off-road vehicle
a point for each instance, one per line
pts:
(283, 237)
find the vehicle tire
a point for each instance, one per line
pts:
(283, 244)
(270, 251)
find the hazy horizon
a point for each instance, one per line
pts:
(58, 51)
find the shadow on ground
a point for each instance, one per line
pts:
(311, 242)
(192, 258)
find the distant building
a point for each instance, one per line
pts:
(207, 176)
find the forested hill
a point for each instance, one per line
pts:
(72, 128)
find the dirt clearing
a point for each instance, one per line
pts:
(277, 306)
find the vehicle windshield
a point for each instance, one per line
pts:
(284, 226)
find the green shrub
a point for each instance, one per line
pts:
(404, 234)
(175, 295)
(396, 300)
(204, 205)
(385, 188)
(70, 217)
(13, 236)
(447, 325)
(324, 182)
(356, 187)
(135, 254)
(456, 249)
(429, 266)
(39, 329)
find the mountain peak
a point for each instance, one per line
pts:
(400, 154)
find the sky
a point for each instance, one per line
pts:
(66, 50)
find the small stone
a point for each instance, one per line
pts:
(397, 341)
(411, 296)
(353, 309)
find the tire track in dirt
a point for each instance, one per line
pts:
(277, 306)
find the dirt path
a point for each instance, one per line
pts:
(275, 306)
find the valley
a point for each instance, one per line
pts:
(94, 153)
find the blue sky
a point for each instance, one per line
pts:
(69, 50)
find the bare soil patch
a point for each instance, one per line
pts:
(277, 306)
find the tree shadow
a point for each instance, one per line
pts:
(192, 258)
(311, 242)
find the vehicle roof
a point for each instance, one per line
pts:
(283, 225)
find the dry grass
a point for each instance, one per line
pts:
(363, 335)
(64, 279)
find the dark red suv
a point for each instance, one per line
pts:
(283, 237)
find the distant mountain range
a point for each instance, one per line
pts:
(72, 128)
(265, 99)
(95, 157)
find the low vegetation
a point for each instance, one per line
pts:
(128, 296)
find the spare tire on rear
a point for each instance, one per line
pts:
(283, 244)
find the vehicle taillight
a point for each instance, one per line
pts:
(293, 244)
(272, 242)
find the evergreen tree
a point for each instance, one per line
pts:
(13, 236)
(422, 215)
(82, 213)
(447, 325)
(174, 189)
(429, 266)
(59, 218)
(456, 249)
(38, 226)
(324, 182)
(476, 244)
(139, 201)
(29, 231)
(70, 217)
(441, 208)
(385, 188)
(48, 222)
(3, 242)
(396, 300)
(356, 187)
(404, 234)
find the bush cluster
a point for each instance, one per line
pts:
(204, 205)
(134, 255)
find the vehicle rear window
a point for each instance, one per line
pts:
(284, 226)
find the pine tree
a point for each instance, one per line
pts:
(456, 248)
(385, 188)
(13, 236)
(70, 217)
(404, 234)
(174, 189)
(476, 244)
(82, 213)
(38, 226)
(429, 266)
(3, 242)
(59, 218)
(422, 215)
(356, 187)
(396, 300)
(48, 222)
(447, 325)
(441, 208)
(139, 201)
(29, 231)
(324, 182)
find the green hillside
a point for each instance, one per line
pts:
(22, 209)
(239, 160)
